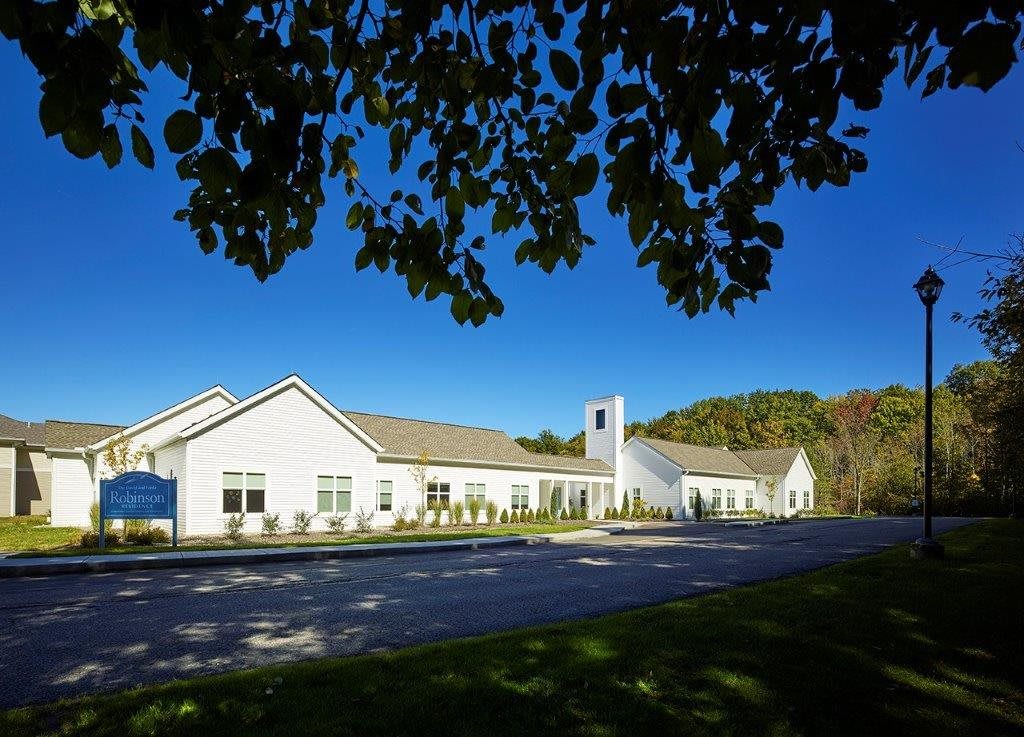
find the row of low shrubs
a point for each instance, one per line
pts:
(132, 532)
(639, 512)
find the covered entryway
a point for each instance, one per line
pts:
(594, 496)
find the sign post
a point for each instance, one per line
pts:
(139, 495)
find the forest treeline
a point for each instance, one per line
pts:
(866, 446)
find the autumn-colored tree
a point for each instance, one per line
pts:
(120, 456)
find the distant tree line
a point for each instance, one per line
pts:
(866, 445)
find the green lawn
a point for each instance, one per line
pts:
(878, 646)
(32, 533)
(258, 541)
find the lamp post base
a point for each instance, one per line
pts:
(925, 547)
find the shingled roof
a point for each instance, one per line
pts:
(439, 440)
(699, 457)
(770, 461)
(62, 434)
(30, 432)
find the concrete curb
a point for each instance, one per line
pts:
(27, 567)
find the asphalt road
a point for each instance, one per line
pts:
(69, 635)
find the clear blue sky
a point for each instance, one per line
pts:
(114, 312)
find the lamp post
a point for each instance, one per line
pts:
(928, 287)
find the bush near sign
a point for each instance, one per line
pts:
(139, 495)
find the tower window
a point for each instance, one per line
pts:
(599, 420)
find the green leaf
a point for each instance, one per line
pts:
(218, 171)
(183, 131)
(983, 56)
(454, 204)
(355, 216)
(563, 66)
(110, 146)
(414, 203)
(770, 234)
(141, 148)
(82, 135)
(460, 307)
(584, 175)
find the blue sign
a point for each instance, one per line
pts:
(138, 495)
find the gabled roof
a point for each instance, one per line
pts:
(698, 458)
(164, 414)
(32, 433)
(62, 434)
(769, 461)
(290, 382)
(409, 438)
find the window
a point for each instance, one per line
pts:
(599, 419)
(807, 499)
(244, 492)
(636, 492)
(384, 490)
(730, 499)
(583, 498)
(333, 494)
(438, 493)
(520, 496)
(694, 493)
(716, 498)
(792, 498)
(749, 504)
(476, 491)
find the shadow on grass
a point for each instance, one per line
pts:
(877, 646)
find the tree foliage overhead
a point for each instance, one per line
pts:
(692, 112)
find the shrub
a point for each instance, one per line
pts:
(364, 521)
(336, 523)
(301, 521)
(94, 520)
(436, 508)
(639, 509)
(698, 507)
(504, 517)
(234, 526)
(530, 516)
(668, 513)
(456, 513)
(91, 539)
(553, 506)
(149, 535)
(271, 523)
(474, 509)
(625, 505)
(564, 515)
(514, 518)
(583, 512)
(491, 512)
(545, 515)
(615, 512)
(421, 515)
(398, 524)
(659, 513)
(713, 513)
(607, 513)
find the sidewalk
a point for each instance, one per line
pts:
(20, 567)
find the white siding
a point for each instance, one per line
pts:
(657, 477)
(799, 479)
(288, 438)
(167, 427)
(168, 462)
(498, 488)
(606, 444)
(73, 491)
(706, 483)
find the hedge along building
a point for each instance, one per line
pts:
(286, 448)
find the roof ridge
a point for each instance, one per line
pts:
(79, 422)
(428, 422)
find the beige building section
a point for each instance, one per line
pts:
(6, 480)
(32, 482)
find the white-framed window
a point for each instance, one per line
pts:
(333, 494)
(583, 497)
(476, 491)
(749, 502)
(807, 499)
(243, 492)
(438, 492)
(385, 491)
(520, 496)
(730, 499)
(636, 493)
(599, 419)
(694, 493)
(792, 498)
(716, 498)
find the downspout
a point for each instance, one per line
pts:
(682, 491)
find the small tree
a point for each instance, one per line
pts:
(668, 513)
(474, 509)
(615, 512)
(607, 513)
(504, 517)
(564, 515)
(698, 506)
(456, 513)
(530, 517)
(271, 523)
(625, 505)
(492, 512)
(420, 472)
(514, 519)
(553, 506)
(771, 484)
(121, 458)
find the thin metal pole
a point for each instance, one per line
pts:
(928, 423)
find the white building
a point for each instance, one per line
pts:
(287, 448)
